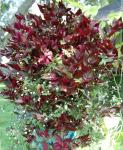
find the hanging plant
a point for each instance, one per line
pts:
(54, 61)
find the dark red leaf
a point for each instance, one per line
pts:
(15, 66)
(45, 145)
(18, 25)
(20, 17)
(24, 100)
(85, 138)
(43, 133)
(79, 12)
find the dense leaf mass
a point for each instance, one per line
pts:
(60, 53)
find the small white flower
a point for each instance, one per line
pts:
(50, 85)
(33, 92)
(25, 88)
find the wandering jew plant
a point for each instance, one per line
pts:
(53, 58)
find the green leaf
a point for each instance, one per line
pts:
(105, 60)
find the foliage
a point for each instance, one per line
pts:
(8, 7)
(87, 9)
(4, 6)
(55, 61)
(97, 2)
(10, 127)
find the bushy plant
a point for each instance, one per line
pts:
(55, 60)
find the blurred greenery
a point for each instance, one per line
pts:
(10, 127)
(6, 116)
